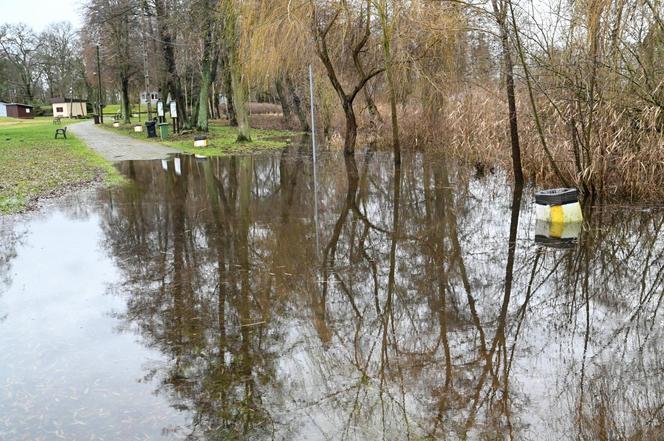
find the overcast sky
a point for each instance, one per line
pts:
(39, 13)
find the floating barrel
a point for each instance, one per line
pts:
(559, 205)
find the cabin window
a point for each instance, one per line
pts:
(27, 110)
(59, 109)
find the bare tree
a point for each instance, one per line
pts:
(116, 23)
(60, 60)
(340, 19)
(500, 10)
(20, 46)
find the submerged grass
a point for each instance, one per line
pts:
(33, 164)
(221, 139)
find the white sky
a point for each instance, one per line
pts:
(40, 13)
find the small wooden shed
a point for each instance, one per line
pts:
(23, 111)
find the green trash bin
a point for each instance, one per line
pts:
(163, 130)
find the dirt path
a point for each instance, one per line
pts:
(116, 147)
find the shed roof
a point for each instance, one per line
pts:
(58, 100)
(19, 104)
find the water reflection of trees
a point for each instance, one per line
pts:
(11, 238)
(426, 312)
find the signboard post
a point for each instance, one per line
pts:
(160, 111)
(174, 116)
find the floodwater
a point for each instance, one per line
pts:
(239, 298)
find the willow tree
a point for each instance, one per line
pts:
(232, 51)
(280, 63)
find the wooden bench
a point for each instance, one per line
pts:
(57, 119)
(62, 132)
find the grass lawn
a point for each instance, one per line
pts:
(33, 164)
(221, 139)
(112, 109)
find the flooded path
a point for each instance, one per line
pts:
(210, 300)
(117, 147)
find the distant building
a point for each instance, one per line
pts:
(69, 107)
(23, 111)
(3, 109)
(152, 96)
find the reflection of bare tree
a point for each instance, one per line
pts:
(194, 293)
(12, 238)
(429, 315)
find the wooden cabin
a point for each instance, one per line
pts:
(22, 111)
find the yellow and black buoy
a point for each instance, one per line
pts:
(200, 141)
(558, 206)
(559, 217)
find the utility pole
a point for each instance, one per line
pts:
(148, 96)
(99, 104)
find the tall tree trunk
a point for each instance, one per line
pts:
(228, 91)
(124, 81)
(389, 68)
(171, 81)
(193, 118)
(232, 40)
(283, 100)
(501, 13)
(215, 101)
(375, 119)
(206, 71)
(202, 120)
(351, 128)
(213, 96)
(297, 103)
(240, 105)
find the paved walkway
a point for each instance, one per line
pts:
(116, 147)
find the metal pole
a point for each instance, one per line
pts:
(99, 106)
(313, 119)
(313, 145)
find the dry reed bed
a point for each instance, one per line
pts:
(627, 151)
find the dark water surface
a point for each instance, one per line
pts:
(214, 304)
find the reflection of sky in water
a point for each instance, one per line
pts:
(66, 372)
(319, 343)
